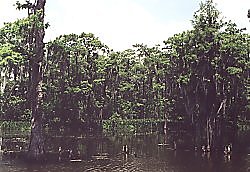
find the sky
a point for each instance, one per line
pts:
(122, 23)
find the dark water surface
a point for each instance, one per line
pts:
(152, 153)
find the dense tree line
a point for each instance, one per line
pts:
(200, 76)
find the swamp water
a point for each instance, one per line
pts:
(151, 153)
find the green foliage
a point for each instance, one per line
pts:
(8, 55)
(13, 126)
(84, 82)
(120, 126)
(234, 70)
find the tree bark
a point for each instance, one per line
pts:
(36, 146)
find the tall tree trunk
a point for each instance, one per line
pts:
(36, 146)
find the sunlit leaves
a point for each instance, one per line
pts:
(84, 79)
(207, 16)
(234, 70)
(7, 54)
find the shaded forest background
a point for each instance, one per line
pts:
(199, 77)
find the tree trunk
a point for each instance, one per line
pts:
(36, 146)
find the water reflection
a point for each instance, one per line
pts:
(151, 153)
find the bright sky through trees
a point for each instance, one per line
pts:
(121, 23)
